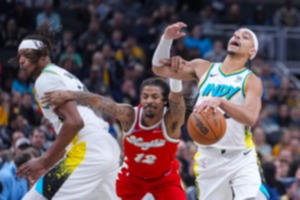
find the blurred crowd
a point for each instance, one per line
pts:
(108, 44)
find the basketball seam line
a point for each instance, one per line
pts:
(209, 126)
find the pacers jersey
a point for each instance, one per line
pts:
(55, 78)
(231, 87)
(149, 151)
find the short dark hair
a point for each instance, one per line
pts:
(158, 82)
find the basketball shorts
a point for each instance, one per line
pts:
(88, 171)
(135, 188)
(228, 174)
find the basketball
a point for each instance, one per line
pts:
(206, 127)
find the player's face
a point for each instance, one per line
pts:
(26, 64)
(152, 101)
(241, 43)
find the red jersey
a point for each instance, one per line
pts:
(149, 152)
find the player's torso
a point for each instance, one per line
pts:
(92, 123)
(148, 152)
(231, 87)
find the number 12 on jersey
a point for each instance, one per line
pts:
(147, 159)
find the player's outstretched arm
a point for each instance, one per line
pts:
(249, 112)
(174, 118)
(123, 112)
(176, 67)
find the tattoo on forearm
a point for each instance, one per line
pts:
(100, 104)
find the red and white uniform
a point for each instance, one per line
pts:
(150, 164)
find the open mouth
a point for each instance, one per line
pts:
(235, 43)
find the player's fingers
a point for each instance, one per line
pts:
(165, 61)
(22, 171)
(181, 24)
(182, 34)
(173, 64)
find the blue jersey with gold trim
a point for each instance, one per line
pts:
(231, 87)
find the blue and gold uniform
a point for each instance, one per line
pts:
(227, 169)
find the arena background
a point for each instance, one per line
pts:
(109, 44)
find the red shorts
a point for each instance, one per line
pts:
(134, 188)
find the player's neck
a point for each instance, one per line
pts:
(232, 64)
(147, 122)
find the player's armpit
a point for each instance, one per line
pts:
(174, 118)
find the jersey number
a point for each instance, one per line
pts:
(148, 159)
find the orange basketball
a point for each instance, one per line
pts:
(206, 127)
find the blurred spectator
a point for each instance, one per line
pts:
(115, 70)
(129, 93)
(21, 84)
(295, 148)
(9, 153)
(100, 8)
(48, 16)
(92, 35)
(71, 54)
(10, 36)
(131, 8)
(234, 15)
(99, 79)
(283, 117)
(14, 188)
(66, 40)
(208, 19)
(259, 16)
(261, 146)
(4, 108)
(27, 111)
(293, 98)
(22, 16)
(117, 22)
(284, 142)
(287, 15)
(116, 40)
(15, 123)
(294, 190)
(134, 49)
(217, 54)
(197, 40)
(16, 101)
(49, 132)
(275, 188)
(38, 140)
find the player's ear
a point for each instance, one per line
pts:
(252, 52)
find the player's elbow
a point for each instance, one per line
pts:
(251, 121)
(76, 122)
(156, 70)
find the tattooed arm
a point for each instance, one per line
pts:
(174, 118)
(123, 112)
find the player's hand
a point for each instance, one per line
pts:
(174, 31)
(213, 103)
(56, 98)
(32, 169)
(176, 63)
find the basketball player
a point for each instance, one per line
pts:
(89, 167)
(151, 136)
(227, 169)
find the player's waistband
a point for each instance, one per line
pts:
(219, 151)
(151, 179)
